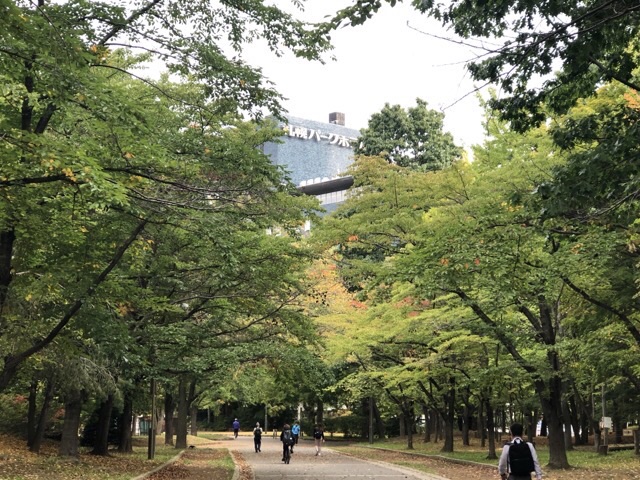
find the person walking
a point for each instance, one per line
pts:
(318, 438)
(257, 437)
(295, 430)
(236, 428)
(518, 458)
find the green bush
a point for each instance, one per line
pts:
(13, 414)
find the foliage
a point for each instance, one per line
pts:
(408, 138)
(591, 43)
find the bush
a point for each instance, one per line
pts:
(13, 414)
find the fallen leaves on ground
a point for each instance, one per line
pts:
(17, 462)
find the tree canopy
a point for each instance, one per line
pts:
(411, 137)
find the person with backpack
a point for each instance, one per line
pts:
(518, 458)
(257, 437)
(295, 430)
(318, 438)
(286, 437)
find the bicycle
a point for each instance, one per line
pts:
(287, 455)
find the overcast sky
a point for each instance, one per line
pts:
(383, 61)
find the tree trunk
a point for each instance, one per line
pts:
(72, 410)
(575, 418)
(531, 425)
(183, 411)
(194, 419)
(31, 412)
(491, 430)
(482, 424)
(125, 445)
(402, 424)
(43, 418)
(449, 416)
(427, 423)
(550, 394)
(378, 419)
(320, 413)
(409, 419)
(169, 407)
(101, 446)
(465, 425)
(7, 239)
(193, 407)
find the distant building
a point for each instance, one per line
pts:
(316, 155)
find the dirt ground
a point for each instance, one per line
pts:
(196, 465)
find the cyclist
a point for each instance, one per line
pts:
(286, 437)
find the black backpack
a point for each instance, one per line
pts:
(287, 437)
(317, 434)
(257, 433)
(520, 458)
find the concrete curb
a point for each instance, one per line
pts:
(236, 467)
(439, 457)
(157, 469)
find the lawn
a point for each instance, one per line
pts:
(586, 464)
(17, 463)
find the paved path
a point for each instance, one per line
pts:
(331, 465)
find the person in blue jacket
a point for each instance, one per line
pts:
(236, 428)
(295, 430)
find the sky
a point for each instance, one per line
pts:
(383, 61)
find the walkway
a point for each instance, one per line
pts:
(331, 465)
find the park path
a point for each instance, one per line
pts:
(305, 465)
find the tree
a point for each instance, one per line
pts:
(93, 153)
(409, 138)
(594, 42)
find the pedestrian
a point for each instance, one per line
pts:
(518, 458)
(318, 438)
(286, 437)
(275, 432)
(236, 428)
(257, 437)
(295, 430)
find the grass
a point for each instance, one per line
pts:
(588, 463)
(17, 463)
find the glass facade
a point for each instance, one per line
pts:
(313, 152)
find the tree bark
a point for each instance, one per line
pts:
(320, 412)
(378, 418)
(465, 425)
(125, 445)
(101, 447)
(193, 406)
(491, 430)
(72, 410)
(43, 418)
(31, 412)
(183, 411)
(409, 419)
(449, 416)
(169, 407)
